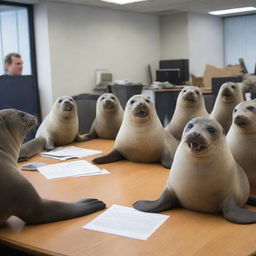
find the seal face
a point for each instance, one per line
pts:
(228, 97)
(18, 196)
(249, 86)
(190, 104)
(204, 176)
(241, 139)
(109, 116)
(141, 137)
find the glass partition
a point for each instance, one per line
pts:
(14, 35)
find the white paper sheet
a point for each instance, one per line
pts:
(127, 221)
(70, 169)
(64, 153)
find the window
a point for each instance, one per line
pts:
(240, 38)
(14, 35)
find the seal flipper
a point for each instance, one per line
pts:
(90, 136)
(49, 144)
(167, 201)
(113, 156)
(50, 211)
(252, 201)
(166, 160)
(31, 148)
(235, 214)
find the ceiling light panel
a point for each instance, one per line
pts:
(122, 1)
(235, 10)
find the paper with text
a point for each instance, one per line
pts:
(70, 169)
(64, 153)
(127, 221)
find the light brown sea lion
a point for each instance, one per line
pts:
(228, 97)
(248, 86)
(141, 137)
(204, 176)
(241, 139)
(18, 196)
(190, 104)
(109, 116)
(60, 127)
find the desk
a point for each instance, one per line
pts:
(184, 233)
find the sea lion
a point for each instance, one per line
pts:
(248, 86)
(18, 196)
(204, 176)
(141, 137)
(228, 97)
(241, 139)
(109, 116)
(60, 127)
(190, 104)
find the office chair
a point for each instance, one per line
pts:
(86, 110)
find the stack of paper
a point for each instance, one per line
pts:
(70, 169)
(64, 153)
(127, 221)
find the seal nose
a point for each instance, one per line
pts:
(241, 120)
(108, 101)
(238, 118)
(227, 92)
(195, 134)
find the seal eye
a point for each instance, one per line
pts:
(147, 101)
(235, 110)
(113, 98)
(132, 101)
(71, 99)
(184, 90)
(232, 86)
(211, 130)
(190, 126)
(251, 108)
(60, 100)
(197, 92)
(103, 98)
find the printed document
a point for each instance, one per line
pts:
(64, 153)
(70, 169)
(127, 221)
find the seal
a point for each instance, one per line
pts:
(109, 116)
(60, 127)
(229, 95)
(190, 104)
(141, 137)
(241, 139)
(18, 196)
(248, 86)
(204, 176)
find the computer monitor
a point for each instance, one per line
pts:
(180, 64)
(168, 75)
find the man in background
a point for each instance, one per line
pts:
(13, 64)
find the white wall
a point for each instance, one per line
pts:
(205, 40)
(73, 41)
(83, 39)
(196, 37)
(174, 36)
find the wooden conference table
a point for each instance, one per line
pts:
(184, 233)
